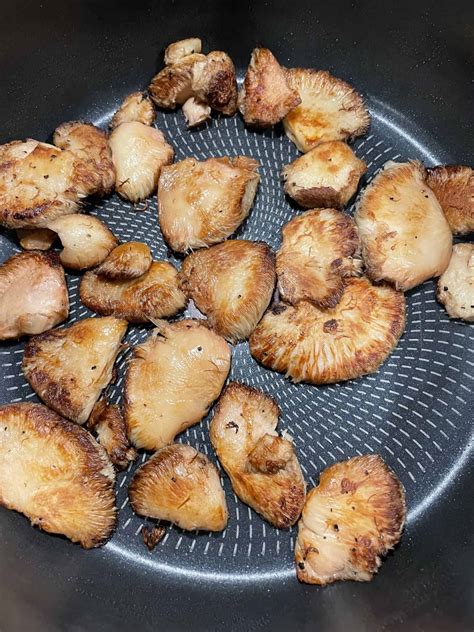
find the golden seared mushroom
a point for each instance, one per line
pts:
(172, 381)
(195, 112)
(86, 240)
(172, 86)
(181, 485)
(214, 82)
(351, 520)
(69, 367)
(330, 109)
(54, 473)
(265, 97)
(177, 50)
(39, 182)
(232, 283)
(127, 261)
(404, 234)
(202, 203)
(327, 176)
(107, 422)
(326, 346)
(136, 107)
(139, 152)
(454, 190)
(262, 466)
(33, 294)
(89, 144)
(154, 295)
(36, 238)
(456, 284)
(319, 250)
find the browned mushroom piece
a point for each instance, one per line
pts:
(89, 144)
(319, 250)
(69, 367)
(107, 422)
(139, 152)
(351, 520)
(127, 261)
(53, 472)
(203, 203)
(326, 177)
(262, 466)
(172, 86)
(265, 97)
(326, 346)
(33, 294)
(454, 190)
(214, 82)
(135, 107)
(404, 235)
(172, 380)
(177, 50)
(330, 109)
(181, 485)
(154, 295)
(232, 283)
(456, 284)
(36, 238)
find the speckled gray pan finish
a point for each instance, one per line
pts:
(63, 61)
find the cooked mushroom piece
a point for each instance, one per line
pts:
(152, 535)
(214, 82)
(330, 109)
(69, 367)
(36, 238)
(404, 234)
(456, 284)
(327, 176)
(86, 240)
(33, 294)
(195, 112)
(127, 261)
(107, 422)
(261, 465)
(89, 144)
(39, 182)
(351, 520)
(265, 97)
(172, 86)
(319, 250)
(232, 283)
(154, 295)
(136, 107)
(202, 203)
(454, 190)
(177, 50)
(172, 380)
(181, 485)
(54, 473)
(326, 346)
(139, 152)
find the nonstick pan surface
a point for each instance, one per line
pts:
(68, 61)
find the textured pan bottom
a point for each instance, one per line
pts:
(414, 411)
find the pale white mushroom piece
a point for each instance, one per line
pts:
(85, 239)
(136, 107)
(127, 261)
(330, 109)
(195, 112)
(139, 152)
(181, 485)
(456, 284)
(33, 294)
(177, 50)
(351, 519)
(53, 472)
(326, 177)
(404, 235)
(36, 238)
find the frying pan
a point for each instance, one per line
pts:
(413, 62)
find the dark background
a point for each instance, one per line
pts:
(67, 60)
